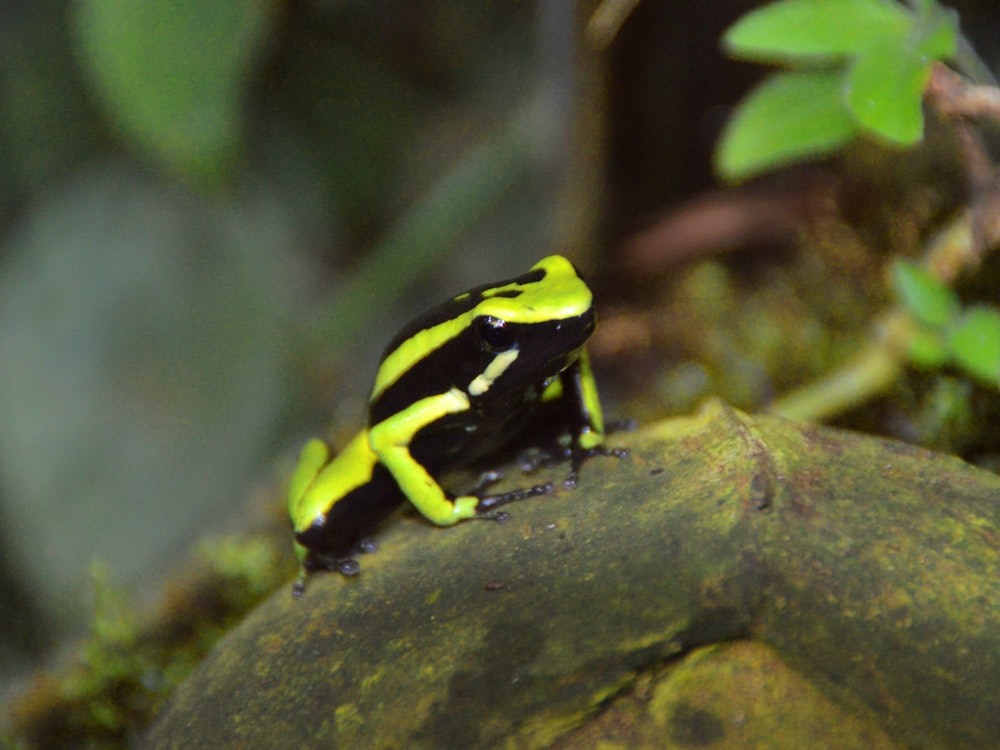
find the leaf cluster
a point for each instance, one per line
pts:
(852, 67)
(946, 333)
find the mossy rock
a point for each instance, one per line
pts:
(867, 568)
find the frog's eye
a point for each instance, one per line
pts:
(497, 335)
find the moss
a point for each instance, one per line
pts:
(120, 675)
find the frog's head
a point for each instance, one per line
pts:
(499, 337)
(532, 327)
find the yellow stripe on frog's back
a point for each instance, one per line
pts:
(559, 294)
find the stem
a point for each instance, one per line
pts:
(870, 372)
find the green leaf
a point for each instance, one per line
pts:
(172, 73)
(885, 89)
(936, 31)
(792, 29)
(789, 116)
(927, 349)
(975, 344)
(927, 299)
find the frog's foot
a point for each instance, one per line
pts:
(346, 566)
(579, 455)
(365, 546)
(557, 453)
(486, 508)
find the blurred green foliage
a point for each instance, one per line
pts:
(856, 67)
(180, 183)
(173, 74)
(948, 334)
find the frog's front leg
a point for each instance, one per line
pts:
(582, 387)
(587, 439)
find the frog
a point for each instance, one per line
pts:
(456, 385)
